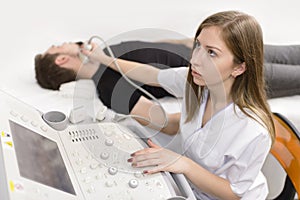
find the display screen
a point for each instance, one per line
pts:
(39, 159)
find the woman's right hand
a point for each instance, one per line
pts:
(96, 54)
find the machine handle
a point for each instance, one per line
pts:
(184, 187)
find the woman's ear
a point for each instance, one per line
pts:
(239, 69)
(62, 59)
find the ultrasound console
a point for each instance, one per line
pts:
(83, 161)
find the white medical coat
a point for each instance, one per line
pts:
(230, 145)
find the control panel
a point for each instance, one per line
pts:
(83, 161)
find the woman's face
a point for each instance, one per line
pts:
(212, 61)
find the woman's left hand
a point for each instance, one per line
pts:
(162, 159)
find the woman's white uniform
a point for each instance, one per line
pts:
(230, 145)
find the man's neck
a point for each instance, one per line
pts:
(86, 71)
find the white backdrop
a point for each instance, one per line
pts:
(29, 27)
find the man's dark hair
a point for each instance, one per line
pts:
(48, 74)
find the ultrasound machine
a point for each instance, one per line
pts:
(85, 161)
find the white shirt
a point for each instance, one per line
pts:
(230, 145)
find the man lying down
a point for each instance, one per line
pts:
(64, 63)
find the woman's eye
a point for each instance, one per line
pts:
(211, 53)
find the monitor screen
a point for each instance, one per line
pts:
(39, 159)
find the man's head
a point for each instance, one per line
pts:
(58, 65)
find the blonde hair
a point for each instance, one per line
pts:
(243, 36)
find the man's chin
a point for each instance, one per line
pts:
(79, 43)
